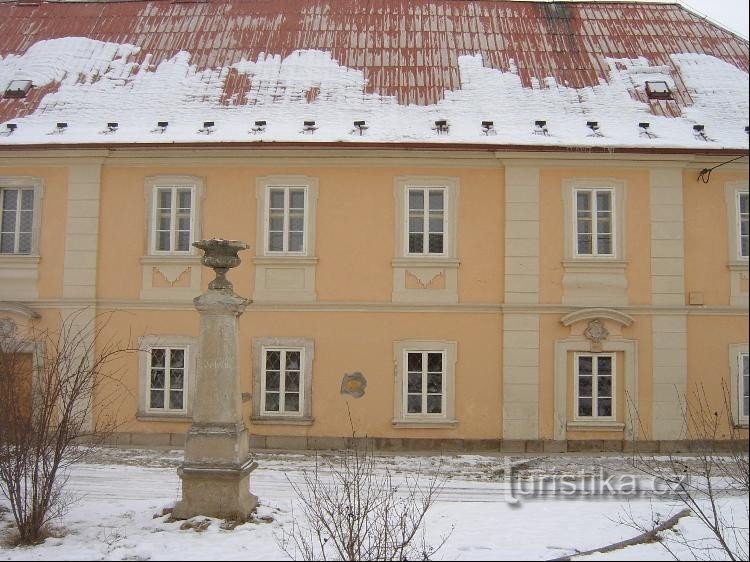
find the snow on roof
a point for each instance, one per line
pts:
(398, 66)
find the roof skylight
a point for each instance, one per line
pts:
(18, 89)
(658, 90)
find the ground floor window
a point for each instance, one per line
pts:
(167, 379)
(744, 386)
(282, 381)
(594, 384)
(424, 382)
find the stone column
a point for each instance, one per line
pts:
(216, 471)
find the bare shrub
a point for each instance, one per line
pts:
(45, 419)
(716, 470)
(351, 510)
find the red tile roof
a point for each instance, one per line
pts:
(405, 48)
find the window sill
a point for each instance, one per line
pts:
(738, 265)
(286, 259)
(424, 424)
(156, 259)
(14, 260)
(163, 417)
(281, 420)
(595, 425)
(425, 261)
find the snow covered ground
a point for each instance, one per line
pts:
(120, 495)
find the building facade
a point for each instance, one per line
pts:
(572, 289)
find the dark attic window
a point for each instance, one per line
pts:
(658, 91)
(18, 89)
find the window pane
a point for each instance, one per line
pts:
(9, 221)
(277, 199)
(416, 242)
(603, 200)
(163, 241)
(603, 224)
(744, 203)
(434, 404)
(436, 243)
(272, 401)
(176, 379)
(10, 199)
(295, 241)
(436, 222)
(583, 202)
(272, 380)
(157, 357)
(584, 243)
(157, 378)
(291, 402)
(416, 223)
(183, 222)
(604, 365)
(183, 241)
(163, 221)
(436, 199)
(584, 364)
(297, 199)
(296, 222)
(273, 360)
(416, 199)
(26, 221)
(175, 400)
(585, 387)
(435, 383)
(7, 243)
(584, 225)
(276, 241)
(584, 406)
(177, 358)
(291, 382)
(604, 387)
(604, 407)
(414, 361)
(276, 221)
(164, 199)
(27, 199)
(414, 404)
(293, 360)
(184, 198)
(24, 243)
(435, 362)
(414, 383)
(157, 399)
(604, 244)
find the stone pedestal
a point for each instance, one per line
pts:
(215, 472)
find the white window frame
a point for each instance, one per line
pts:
(593, 191)
(17, 230)
(167, 388)
(426, 189)
(21, 183)
(282, 382)
(738, 353)
(258, 360)
(285, 231)
(402, 418)
(594, 387)
(424, 394)
(738, 218)
(152, 186)
(147, 343)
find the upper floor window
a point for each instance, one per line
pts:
(594, 384)
(173, 210)
(743, 224)
(426, 220)
(594, 209)
(173, 218)
(17, 221)
(286, 219)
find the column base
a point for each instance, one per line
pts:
(216, 491)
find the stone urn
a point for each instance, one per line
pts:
(221, 256)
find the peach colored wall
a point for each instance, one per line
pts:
(709, 338)
(552, 231)
(347, 342)
(52, 226)
(706, 232)
(355, 227)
